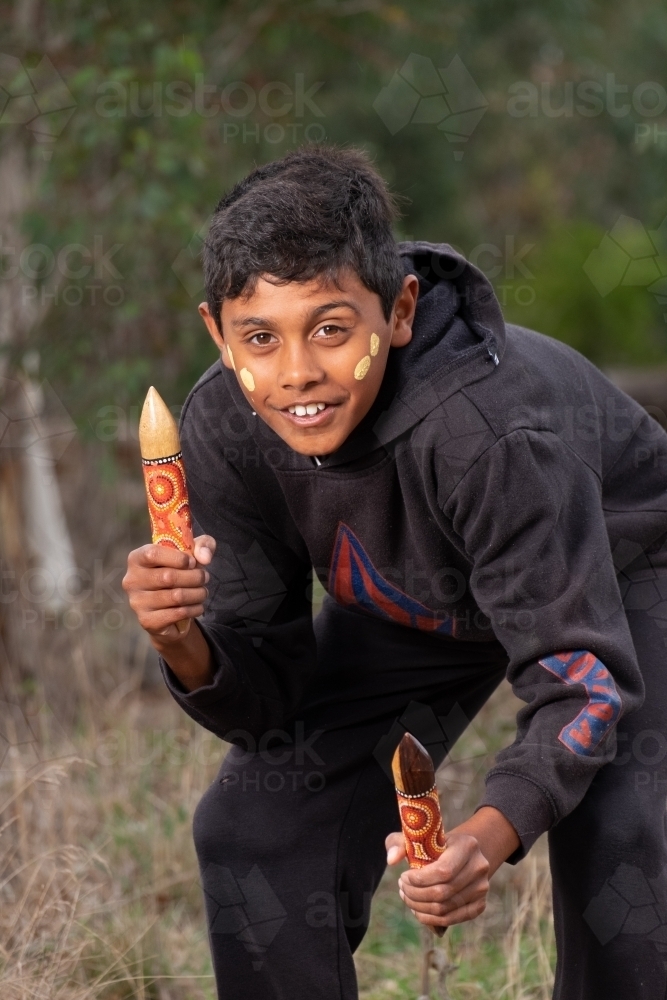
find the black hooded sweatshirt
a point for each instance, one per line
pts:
(492, 493)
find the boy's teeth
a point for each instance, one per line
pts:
(310, 410)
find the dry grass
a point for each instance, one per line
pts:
(98, 881)
(99, 892)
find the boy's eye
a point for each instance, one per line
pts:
(330, 330)
(261, 339)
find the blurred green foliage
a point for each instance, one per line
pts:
(623, 327)
(147, 153)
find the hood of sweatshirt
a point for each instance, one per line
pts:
(458, 338)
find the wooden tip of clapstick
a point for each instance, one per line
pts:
(158, 433)
(412, 767)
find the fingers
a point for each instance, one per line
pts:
(466, 912)
(204, 549)
(165, 586)
(476, 869)
(158, 608)
(452, 889)
(446, 898)
(454, 908)
(158, 622)
(459, 849)
(160, 555)
(179, 597)
(167, 579)
(395, 846)
(155, 567)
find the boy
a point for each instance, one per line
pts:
(479, 502)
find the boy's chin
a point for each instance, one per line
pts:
(320, 444)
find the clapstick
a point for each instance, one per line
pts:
(164, 478)
(418, 805)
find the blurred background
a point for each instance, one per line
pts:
(533, 137)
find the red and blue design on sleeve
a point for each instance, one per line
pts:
(354, 581)
(586, 732)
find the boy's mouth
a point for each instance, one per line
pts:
(310, 414)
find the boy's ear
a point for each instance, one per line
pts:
(404, 311)
(216, 336)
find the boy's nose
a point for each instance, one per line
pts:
(300, 371)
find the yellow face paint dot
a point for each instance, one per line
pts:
(361, 371)
(231, 357)
(247, 379)
(375, 344)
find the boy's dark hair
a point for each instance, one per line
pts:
(315, 211)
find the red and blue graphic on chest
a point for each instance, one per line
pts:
(355, 582)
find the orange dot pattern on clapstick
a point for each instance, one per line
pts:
(168, 504)
(422, 827)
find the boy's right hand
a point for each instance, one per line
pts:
(165, 586)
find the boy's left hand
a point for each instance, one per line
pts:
(450, 890)
(454, 888)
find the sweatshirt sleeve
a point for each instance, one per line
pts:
(258, 617)
(530, 516)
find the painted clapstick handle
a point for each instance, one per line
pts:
(418, 805)
(164, 478)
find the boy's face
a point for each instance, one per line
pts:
(310, 356)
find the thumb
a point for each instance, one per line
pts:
(204, 549)
(395, 846)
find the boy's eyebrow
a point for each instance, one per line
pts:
(252, 321)
(336, 304)
(317, 311)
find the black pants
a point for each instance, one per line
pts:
(290, 836)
